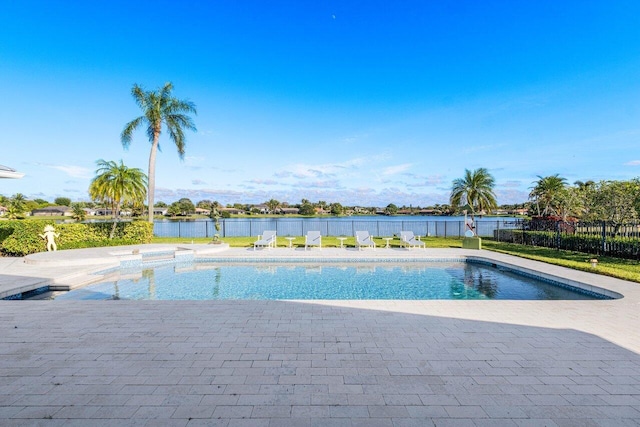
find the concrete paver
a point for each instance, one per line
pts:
(324, 363)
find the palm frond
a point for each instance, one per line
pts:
(127, 133)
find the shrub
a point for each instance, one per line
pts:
(19, 238)
(25, 237)
(138, 231)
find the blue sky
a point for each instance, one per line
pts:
(357, 102)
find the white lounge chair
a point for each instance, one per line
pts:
(364, 239)
(267, 239)
(409, 240)
(313, 238)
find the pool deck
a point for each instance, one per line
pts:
(314, 363)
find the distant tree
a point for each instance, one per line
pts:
(186, 206)
(336, 208)
(160, 205)
(62, 201)
(391, 209)
(545, 192)
(78, 212)
(174, 209)
(159, 107)
(17, 206)
(204, 204)
(306, 209)
(568, 202)
(615, 201)
(273, 205)
(41, 202)
(474, 191)
(30, 205)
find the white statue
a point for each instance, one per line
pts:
(49, 235)
(470, 227)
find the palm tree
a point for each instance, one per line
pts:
(474, 190)
(157, 108)
(117, 184)
(79, 214)
(273, 205)
(546, 191)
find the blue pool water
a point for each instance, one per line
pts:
(307, 281)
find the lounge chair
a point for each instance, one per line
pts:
(409, 240)
(313, 238)
(267, 239)
(364, 239)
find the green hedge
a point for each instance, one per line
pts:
(19, 238)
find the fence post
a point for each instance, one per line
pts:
(557, 235)
(179, 234)
(604, 237)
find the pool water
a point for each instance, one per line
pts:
(361, 281)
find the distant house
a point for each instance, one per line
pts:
(428, 212)
(3, 210)
(289, 211)
(109, 212)
(103, 212)
(201, 211)
(232, 211)
(160, 211)
(52, 211)
(264, 209)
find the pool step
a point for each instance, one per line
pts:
(156, 258)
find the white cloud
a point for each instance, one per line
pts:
(393, 170)
(73, 171)
(633, 163)
(264, 181)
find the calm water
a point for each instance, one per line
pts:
(322, 281)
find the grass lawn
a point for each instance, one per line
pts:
(615, 267)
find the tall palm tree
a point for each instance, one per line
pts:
(159, 107)
(474, 190)
(545, 192)
(117, 184)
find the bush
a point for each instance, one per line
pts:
(139, 231)
(19, 238)
(25, 237)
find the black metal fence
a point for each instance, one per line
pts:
(327, 227)
(600, 238)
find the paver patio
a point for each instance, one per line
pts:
(320, 363)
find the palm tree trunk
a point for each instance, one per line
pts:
(152, 173)
(116, 211)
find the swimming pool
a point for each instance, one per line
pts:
(323, 281)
